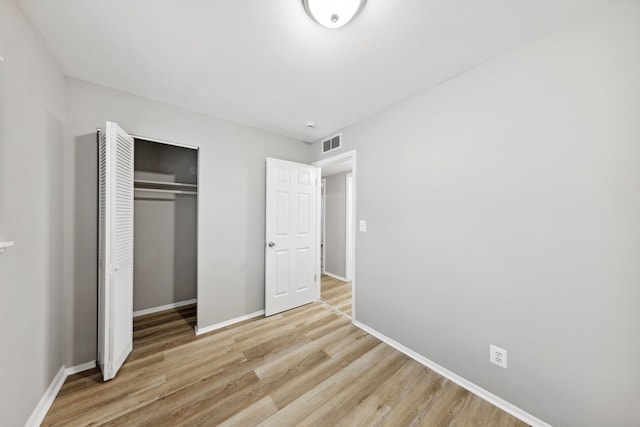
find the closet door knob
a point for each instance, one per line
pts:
(271, 244)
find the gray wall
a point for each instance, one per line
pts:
(165, 247)
(31, 162)
(335, 239)
(508, 213)
(230, 196)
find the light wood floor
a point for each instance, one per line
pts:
(306, 367)
(336, 293)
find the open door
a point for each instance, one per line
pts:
(291, 235)
(115, 249)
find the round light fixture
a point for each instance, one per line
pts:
(333, 13)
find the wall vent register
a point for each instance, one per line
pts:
(332, 143)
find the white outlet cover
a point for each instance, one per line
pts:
(498, 356)
(363, 225)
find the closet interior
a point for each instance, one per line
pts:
(165, 226)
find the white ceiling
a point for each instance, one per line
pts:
(265, 64)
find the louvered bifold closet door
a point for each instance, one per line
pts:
(115, 281)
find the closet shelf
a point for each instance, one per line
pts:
(165, 187)
(142, 182)
(166, 190)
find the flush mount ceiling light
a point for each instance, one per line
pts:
(333, 13)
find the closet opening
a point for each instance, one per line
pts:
(165, 230)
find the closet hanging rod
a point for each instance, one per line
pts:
(168, 184)
(162, 190)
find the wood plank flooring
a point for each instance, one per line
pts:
(336, 293)
(306, 367)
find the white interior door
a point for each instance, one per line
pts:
(291, 235)
(115, 253)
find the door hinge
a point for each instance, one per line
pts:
(315, 278)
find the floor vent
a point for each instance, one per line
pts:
(332, 143)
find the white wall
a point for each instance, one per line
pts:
(31, 162)
(335, 239)
(508, 213)
(230, 197)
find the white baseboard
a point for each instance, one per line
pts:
(163, 307)
(462, 382)
(52, 391)
(80, 368)
(206, 329)
(47, 399)
(335, 276)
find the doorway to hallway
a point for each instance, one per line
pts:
(337, 232)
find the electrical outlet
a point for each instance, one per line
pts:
(498, 356)
(363, 225)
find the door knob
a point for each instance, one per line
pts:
(271, 244)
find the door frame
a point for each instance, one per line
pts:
(323, 195)
(351, 228)
(349, 238)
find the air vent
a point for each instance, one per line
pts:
(332, 143)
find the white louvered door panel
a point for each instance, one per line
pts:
(291, 235)
(115, 282)
(103, 243)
